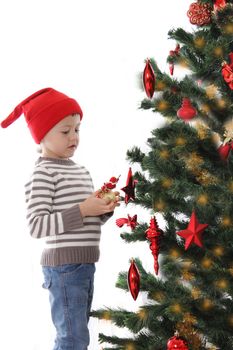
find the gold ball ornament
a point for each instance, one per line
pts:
(164, 153)
(142, 314)
(158, 296)
(226, 221)
(230, 320)
(221, 284)
(230, 186)
(109, 196)
(167, 182)
(159, 205)
(174, 253)
(176, 308)
(218, 251)
(207, 304)
(180, 141)
(162, 105)
(203, 199)
(106, 316)
(199, 42)
(228, 28)
(206, 263)
(187, 275)
(196, 293)
(160, 85)
(218, 51)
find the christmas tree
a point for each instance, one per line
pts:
(187, 177)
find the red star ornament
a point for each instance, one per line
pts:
(129, 189)
(192, 234)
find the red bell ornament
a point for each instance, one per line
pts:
(134, 279)
(149, 79)
(177, 343)
(187, 111)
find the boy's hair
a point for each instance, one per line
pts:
(42, 110)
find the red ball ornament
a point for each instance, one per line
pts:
(177, 343)
(187, 111)
(134, 280)
(219, 4)
(149, 79)
(199, 14)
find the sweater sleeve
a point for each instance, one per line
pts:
(42, 220)
(105, 217)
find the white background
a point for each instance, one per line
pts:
(94, 51)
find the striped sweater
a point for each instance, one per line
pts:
(53, 195)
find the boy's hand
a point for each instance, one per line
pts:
(94, 206)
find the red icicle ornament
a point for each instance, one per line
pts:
(177, 343)
(173, 53)
(133, 279)
(153, 234)
(187, 111)
(171, 68)
(149, 79)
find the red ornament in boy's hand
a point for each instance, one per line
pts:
(106, 190)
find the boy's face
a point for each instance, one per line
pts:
(63, 139)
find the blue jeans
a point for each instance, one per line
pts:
(70, 294)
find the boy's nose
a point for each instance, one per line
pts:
(73, 136)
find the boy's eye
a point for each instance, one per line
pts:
(65, 132)
(77, 130)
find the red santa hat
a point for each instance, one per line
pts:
(42, 110)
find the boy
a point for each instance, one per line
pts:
(62, 207)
